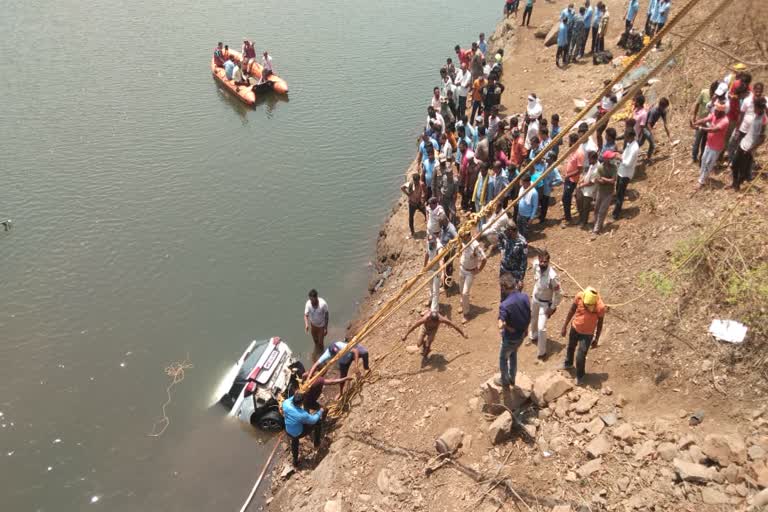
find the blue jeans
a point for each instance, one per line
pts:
(522, 225)
(508, 357)
(648, 135)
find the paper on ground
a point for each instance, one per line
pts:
(728, 330)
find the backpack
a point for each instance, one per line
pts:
(602, 58)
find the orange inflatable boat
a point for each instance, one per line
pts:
(255, 69)
(244, 92)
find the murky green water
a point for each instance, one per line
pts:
(156, 218)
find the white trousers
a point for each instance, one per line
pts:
(465, 285)
(539, 316)
(435, 292)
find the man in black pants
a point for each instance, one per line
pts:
(299, 423)
(527, 13)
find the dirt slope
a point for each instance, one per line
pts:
(624, 441)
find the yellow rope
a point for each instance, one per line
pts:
(395, 303)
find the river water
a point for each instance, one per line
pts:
(156, 218)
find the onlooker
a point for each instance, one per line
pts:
(626, 171)
(416, 194)
(573, 168)
(586, 188)
(606, 184)
(482, 44)
(746, 116)
(701, 109)
(527, 205)
(462, 81)
(662, 13)
(514, 318)
(561, 57)
(754, 137)
(472, 262)
(446, 188)
(435, 212)
(716, 127)
(589, 14)
(602, 27)
(476, 63)
(586, 321)
(546, 297)
(596, 19)
(640, 114)
(578, 36)
(527, 12)
(629, 18)
(649, 15)
(316, 318)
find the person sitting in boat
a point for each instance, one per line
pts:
(267, 61)
(229, 68)
(238, 76)
(249, 52)
(225, 52)
(264, 83)
(218, 56)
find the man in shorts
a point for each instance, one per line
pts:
(429, 323)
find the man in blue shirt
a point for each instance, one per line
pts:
(561, 58)
(514, 319)
(629, 19)
(229, 68)
(649, 14)
(299, 423)
(482, 44)
(428, 166)
(661, 15)
(568, 12)
(589, 12)
(357, 353)
(426, 141)
(597, 15)
(527, 206)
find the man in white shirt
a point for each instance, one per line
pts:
(626, 170)
(462, 81)
(267, 62)
(544, 301)
(533, 131)
(435, 212)
(316, 319)
(472, 261)
(433, 248)
(753, 137)
(585, 189)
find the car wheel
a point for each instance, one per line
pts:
(270, 421)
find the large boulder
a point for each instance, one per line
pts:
(501, 428)
(496, 399)
(724, 449)
(692, 472)
(625, 432)
(543, 30)
(549, 387)
(551, 38)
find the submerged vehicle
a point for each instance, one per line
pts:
(252, 388)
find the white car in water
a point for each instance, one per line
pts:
(251, 388)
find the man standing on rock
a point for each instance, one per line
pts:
(472, 262)
(586, 320)
(429, 323)
(316, 318)
(299, 423)
(545, 299)
(514, 318)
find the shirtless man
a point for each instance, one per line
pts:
(429, 324)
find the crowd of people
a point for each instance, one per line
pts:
(238, 70)
(465, 161)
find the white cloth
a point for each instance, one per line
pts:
(471, 255)
(237, 74)
(590, 176)
(546, 287)
(435, 104)
(438, 118)
(538, 332)
(748, 109)
(752, 134)
(447, 150)
(267, 63)
(463, 80)
(316, 315)
(533, 131)
(629, 160)
(588, 146)
(434, 292)
(465, 285)
(433, 219)
(534, 108)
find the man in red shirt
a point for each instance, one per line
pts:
(716, 127)
(464, 55)
(572, 172)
